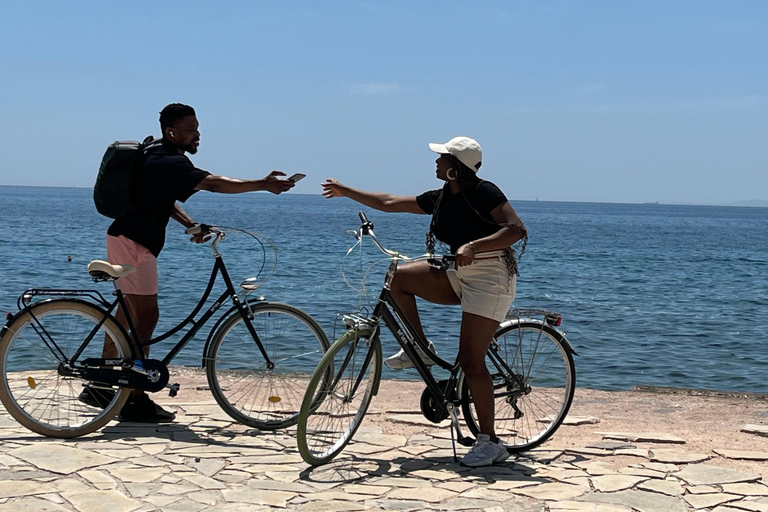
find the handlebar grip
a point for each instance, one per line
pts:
(197, 229)
(367, 225)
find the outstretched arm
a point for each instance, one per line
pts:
(225, 185)
(377, 200)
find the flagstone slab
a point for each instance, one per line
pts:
(13, 489)
(94, 501)
(244, 494)
(742, 454)
(99, 479)
(650, 473)
(741, 506)
(138, 475)
(575, 421)
(710, 500)
(703, 489)
(612, 445)
(184, 505)
(60, 459)
(209, 498)
(370, 490)
(704, 474)
(673, 456)
(581, 506)
(207, 467)
(668, 487)
(642, 501)
(428, 494)
(551, 491)
(589, 451)
(746, 489)
(760, 430)
(634, 452)
(643, 437)
(204, 482)
(613, 483)
(31, 505)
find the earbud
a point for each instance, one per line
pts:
(172, 135)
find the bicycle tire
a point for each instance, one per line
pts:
(330, 415)
(541, 356)
(32, 389)
(238, 376)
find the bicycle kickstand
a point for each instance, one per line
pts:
(463, 440)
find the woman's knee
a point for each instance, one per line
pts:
(473, 365)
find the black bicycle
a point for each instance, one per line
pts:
(256, 356)
(530, 361)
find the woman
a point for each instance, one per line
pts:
(475, 219)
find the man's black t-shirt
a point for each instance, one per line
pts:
(166, 177)
(456, 223)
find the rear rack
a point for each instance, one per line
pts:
(26, 298)
(550, 317)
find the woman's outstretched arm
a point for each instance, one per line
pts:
(376, 200)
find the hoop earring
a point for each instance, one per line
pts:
(448, 174)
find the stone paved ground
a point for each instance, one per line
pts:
(620, 452)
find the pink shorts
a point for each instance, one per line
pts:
(124, 251)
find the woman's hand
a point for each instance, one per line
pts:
(332, 188)
(465, 255)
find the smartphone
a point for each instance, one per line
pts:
(297, 177)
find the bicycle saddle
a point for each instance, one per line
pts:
(99, 267)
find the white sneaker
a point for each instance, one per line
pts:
(400, 360)
(484, 452)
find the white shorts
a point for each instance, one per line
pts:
(122, 251)
(485, 287)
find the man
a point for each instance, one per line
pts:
(166, 177)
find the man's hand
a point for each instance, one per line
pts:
(275, 185)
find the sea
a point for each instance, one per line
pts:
(650, 294)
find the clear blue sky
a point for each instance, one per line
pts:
(571, 100)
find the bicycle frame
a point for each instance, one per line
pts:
(136, 345)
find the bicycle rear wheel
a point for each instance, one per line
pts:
(33, 346)
(238, 376)
(534, 379)
(338, 396)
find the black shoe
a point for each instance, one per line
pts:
(96, 397)
(144, 410)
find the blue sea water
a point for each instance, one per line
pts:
(657, 295)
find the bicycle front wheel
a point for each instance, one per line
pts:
(534, 379)
(338, 396)
(35, 389)
(248, 391)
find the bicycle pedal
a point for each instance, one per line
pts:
(173, 389)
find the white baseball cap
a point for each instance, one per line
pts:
(465, 149)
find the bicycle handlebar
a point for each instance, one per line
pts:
(366, 228)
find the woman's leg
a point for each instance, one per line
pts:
(476, 335)
(418, 279)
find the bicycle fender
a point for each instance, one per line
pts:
(544, 326)
(222, 318)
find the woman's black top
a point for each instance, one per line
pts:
(464, 216)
